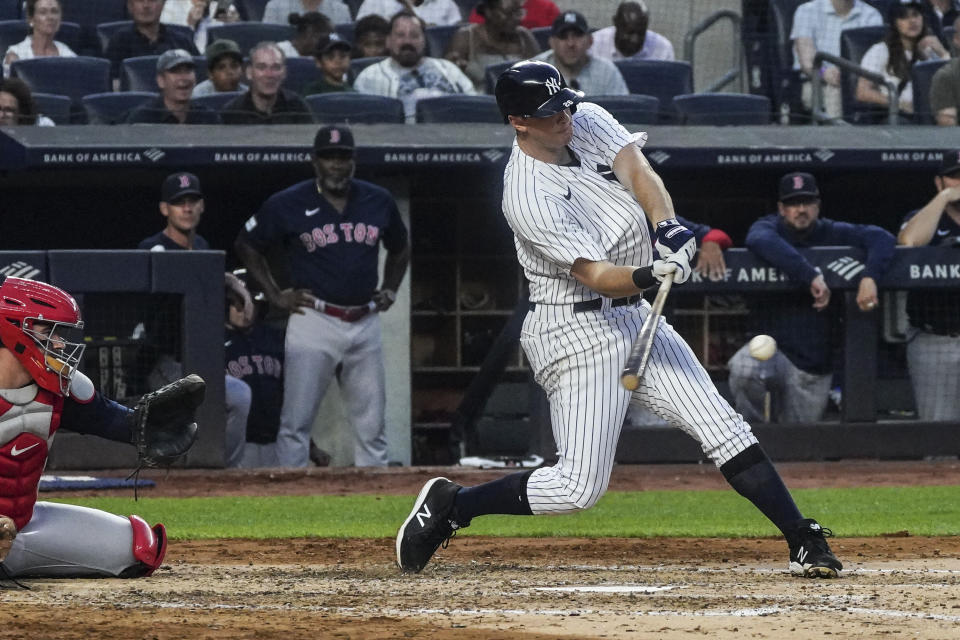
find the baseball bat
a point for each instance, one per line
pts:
(637, 361)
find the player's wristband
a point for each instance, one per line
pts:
(643, 277)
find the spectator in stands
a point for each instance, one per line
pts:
(816, 27)
(16, 105)
(44, 18)
(333, 60)
(370, 37)
(945, 86)
(942, 13)
(537, 13)
(176, 78)
(933, 353)
(432, 12)
(267, 102)
(499, 39)
(906, 42)
(407, 74)
(570, 42)
(278, 11)
(199, 15)
(630, 36)
(799, 375)
(146, 36)
(224, 69)
(309, 28)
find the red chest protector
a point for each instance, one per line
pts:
(28, 419)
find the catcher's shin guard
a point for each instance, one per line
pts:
(149, 547)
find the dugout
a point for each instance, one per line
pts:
(93, 187)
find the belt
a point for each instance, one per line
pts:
(347, 314)
(597, 303)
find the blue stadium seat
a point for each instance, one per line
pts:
(10, 9)
(14, 31)
(723, 108)
(493, 72)
(140, 73)
(359, 64)
(346, 31)
(73, 77)
(106, 30)
(459, 108)
(660, 78)
(248, 34)
(853, 44)
(216, 101)
(355, 108)
(300, 71)
(438, 37)
(921, 75)
(112, 108)
(88, 14)
(251, 10)
(55, 107)
(542, 34)
(634, 108)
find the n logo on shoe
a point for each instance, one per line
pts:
(423, 514)
(802, 555)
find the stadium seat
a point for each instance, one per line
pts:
(346, 31)
(634, 108)
(438, 37)
(140, 73)
(493, 72)
(248, 34)
(89, 13)
(722, 108)
(355, 108)
(216, 101)
(542, 34)
(300, 71)
(359, 64)
(112, 108)
(921, 75)
(73, 77)
(14, 31)
(459, 108)
(853, 44)
(10, 9)
(660, 78)
(106, 30)
(251, 10)
(55, 107)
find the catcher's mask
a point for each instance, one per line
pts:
(40, 324)
(534, 89)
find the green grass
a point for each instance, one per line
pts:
(923, 511)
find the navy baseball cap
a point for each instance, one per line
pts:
(330, 42)
(177, 185)
(333, 137)
(569, 20)
(950, 163)
(798, 185)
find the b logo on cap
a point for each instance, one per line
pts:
(797, 182)
(184, 181)
(334, 136)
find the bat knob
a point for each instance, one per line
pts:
(630, 381)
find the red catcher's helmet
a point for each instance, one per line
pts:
(37, 323)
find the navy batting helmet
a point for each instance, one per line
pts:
(534, 89)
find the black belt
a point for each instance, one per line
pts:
(597, 303)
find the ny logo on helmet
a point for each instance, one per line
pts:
(553, 85)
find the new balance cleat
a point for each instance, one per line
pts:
(428, 526)
(810, 555)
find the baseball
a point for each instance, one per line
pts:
(762, 347)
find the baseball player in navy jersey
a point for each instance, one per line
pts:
(330, 228)
(578, 193)
(181, 203)
(933, 353)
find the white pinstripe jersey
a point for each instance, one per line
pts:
(561, 213)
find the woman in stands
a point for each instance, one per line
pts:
(309, 29)
(16, 105)
(499, 39)
(44, 17)
(907, 41)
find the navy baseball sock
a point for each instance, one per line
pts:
(753, 476)
(505, 495)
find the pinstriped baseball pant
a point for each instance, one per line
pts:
(577, 358)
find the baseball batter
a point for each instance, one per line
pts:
(576, 192)
(331, 228)
(39, 393)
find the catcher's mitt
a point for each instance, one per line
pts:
(8, 531)
(163, 421)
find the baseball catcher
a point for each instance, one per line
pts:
(41, 390)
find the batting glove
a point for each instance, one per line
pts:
(680, 269)
(676, 245)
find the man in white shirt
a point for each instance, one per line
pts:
(407, 74)
(277, 11)
(816, 27)
(430, 11)
(570, 40)
(630, 37)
